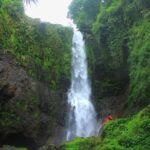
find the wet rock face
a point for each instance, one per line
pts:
(28, 106)
(114, 105)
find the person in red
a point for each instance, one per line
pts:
(106, 120)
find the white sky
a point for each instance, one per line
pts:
(53, 11)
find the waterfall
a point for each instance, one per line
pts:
(82, 115)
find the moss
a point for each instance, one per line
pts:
(14, 115)
(9, 120)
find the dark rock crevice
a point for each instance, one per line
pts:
(18, 140)
(7, 92)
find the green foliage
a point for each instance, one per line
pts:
(139, 61)
(129, 134)
(123, 134)
(84, 12)
(122, 29)
(80, 144)
(42, 48)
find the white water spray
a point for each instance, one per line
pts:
(82, 116)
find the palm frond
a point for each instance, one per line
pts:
(29, 1)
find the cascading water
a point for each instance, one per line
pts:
(82, 116)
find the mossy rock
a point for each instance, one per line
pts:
(7, 147)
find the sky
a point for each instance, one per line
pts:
(53, 11)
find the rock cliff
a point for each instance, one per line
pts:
(29, 111)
